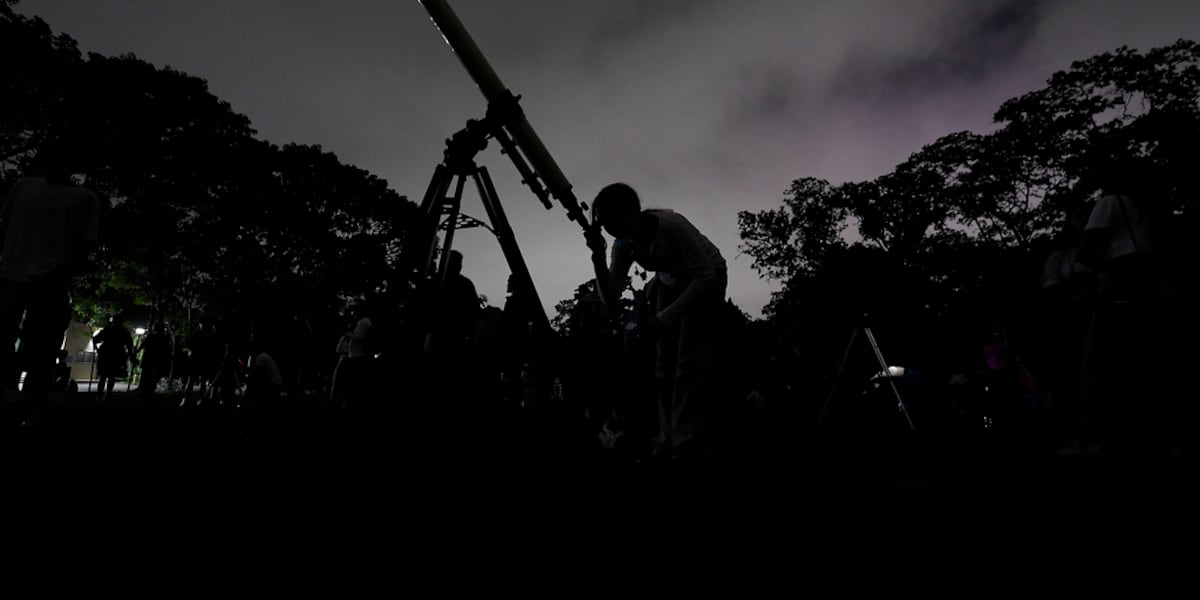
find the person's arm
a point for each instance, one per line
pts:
(620, 262)
(705, 271)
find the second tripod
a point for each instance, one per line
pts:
(885, 372)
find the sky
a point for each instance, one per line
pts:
(706, 107)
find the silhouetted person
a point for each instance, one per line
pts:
(1067, 285)
(233, 340)
(691, 277)
(489, 350)
(156, 358)
(295, 356)
(1126, 365)
(355, 370)
(205, 356)
(48, 227)
(265, 381)
(459, 310)
(1004, 378)
(114, 354)
(62, 373)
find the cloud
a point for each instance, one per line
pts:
(974, 47)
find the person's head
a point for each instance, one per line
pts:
(455, 262)
(616, 208)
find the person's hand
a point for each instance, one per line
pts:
(596, 242)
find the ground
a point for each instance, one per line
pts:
(136, 493)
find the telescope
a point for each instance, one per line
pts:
(506, 123)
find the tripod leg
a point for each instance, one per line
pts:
(452, 207)
(883, 365)
(431, 208)
(837, 378)
(508, 245)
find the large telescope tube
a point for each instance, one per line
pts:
(519, 129)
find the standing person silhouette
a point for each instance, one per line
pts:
(204, 359)
(114, 354)
(460, 309)
(691, 276)
(48, 227)
(156, 358)
(1131, 351)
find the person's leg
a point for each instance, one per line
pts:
(1132, 408)
(1093, 384)
(148, 382)
(12, 309)
(1067, 374)
(666, 362)
(1100, 361)
(696, 383)
(664, 387)
(13, 300)
(46, 320)
(204, 376)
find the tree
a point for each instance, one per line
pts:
(197, 213)
(960, 214)
(793, 240)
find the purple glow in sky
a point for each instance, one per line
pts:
(707, 107)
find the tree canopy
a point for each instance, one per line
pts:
(196, 211)
(968, 217)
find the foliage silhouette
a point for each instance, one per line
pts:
(197, 213)
(965, 220)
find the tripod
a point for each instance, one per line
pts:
(870, 336)
(227, 373)
(442, 209)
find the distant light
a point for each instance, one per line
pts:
(140, 331)
(891, 373)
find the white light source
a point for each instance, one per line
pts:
(140, 331)
(890, 373)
